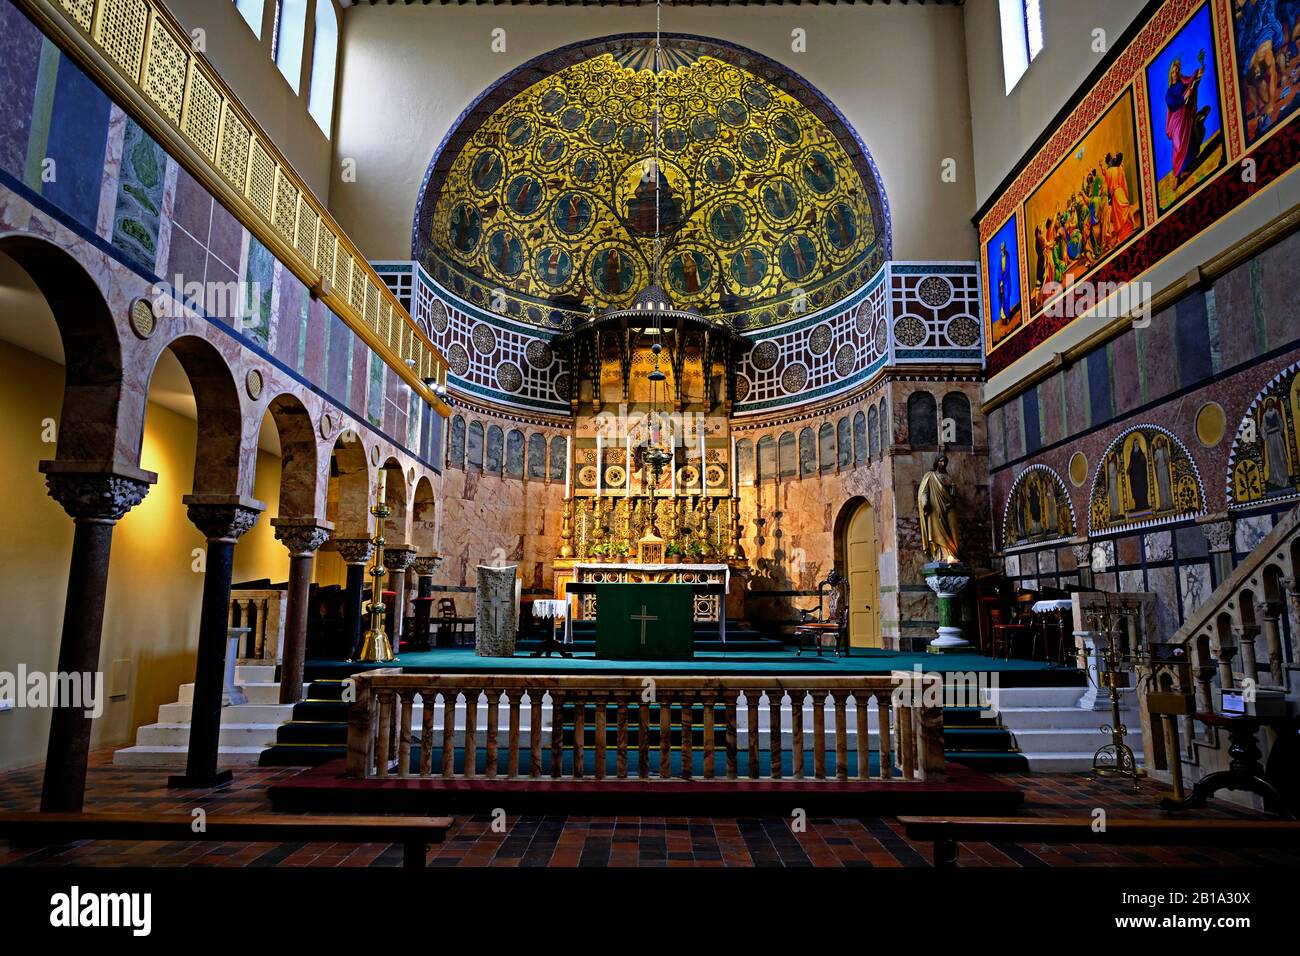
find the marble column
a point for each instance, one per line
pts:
(1293, 603)
(302, 536)
(223, 519)
(424, 567)
(396, 561)
(1268, 614)
(356, 554)
(1245, 636)
(95, 502)
(1219, 535)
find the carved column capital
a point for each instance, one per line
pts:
(1243, 633)
(355, 550)
(95, 498)
(399, 559)
(1219, 535)
(1268, 610)
(426, 564)
(226, 521)
(302, 539)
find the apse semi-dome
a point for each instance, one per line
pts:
(541, 202)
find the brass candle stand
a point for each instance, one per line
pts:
(375, 645)
(1112, 672)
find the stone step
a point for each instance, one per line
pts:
(232, 735)
(173, 757)
(1062, 741)
(1038, 696)
(254, 673)
(257, 692)
(236, 714)
(1072, 718)
(1065, 762)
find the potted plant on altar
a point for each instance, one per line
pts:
(696, 551)
(673, 552)
(620, 551)
(600, 551)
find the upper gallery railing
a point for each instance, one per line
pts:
(142, 56)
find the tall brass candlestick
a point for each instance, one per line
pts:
(375, 646)
(566, 530)
(734, 550)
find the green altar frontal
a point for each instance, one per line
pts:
(649, 622)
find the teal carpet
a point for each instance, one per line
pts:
(462, 660)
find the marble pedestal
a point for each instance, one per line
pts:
(947, 581)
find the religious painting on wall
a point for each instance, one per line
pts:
(1038, 508)
(1088, 206)
(1002, 259)
(1187, 138)
(1265, 34)
(1146, 477)
(1265, 461)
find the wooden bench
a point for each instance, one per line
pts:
(946, 832)
(48, 829)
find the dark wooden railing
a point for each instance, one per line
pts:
(630, 716)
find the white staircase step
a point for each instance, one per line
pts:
(232, 735)
(1072, 718)
(235, 714)
(174, 757)
(1057, 740)
(254, 673)
(257, 692)
(1038, 696)
(1060, 762)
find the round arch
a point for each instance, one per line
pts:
(301, 488)
(91, 421)
(349, 496)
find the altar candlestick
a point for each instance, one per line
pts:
(600, 473)
(568, 467)
(701, 457)
(735, 480)
(383, 485)
(628, 486)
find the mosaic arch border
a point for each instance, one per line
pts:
(1011, 493)
(1150, 522)
(539, 67)
(1292, 370)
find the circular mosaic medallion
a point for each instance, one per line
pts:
(438, 316)
(615, 476)
(862, 318)
(253, 384)
(881, 337)
(1078, 469)
(688, 476)
(561, 386)
(963, 332)
(143, 320)
(846, 360)
(374, 454)
(1211, 424)
(764, 355)
(909, 331)
(539, 354)
(410, 475)
(819, 342)
(587, 476)
(794, 378)
(484, 339)
(457, 359)
(935, 291)
(714, 476)
(742, 388)
(509, 377)
(326, 425)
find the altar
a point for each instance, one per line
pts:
(709, 601)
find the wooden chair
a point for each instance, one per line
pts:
(451, 626)
(835, 625)
(1021, 625)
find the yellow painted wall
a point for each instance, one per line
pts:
(152, 612)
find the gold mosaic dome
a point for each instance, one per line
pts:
(546, 209)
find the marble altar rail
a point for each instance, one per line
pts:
(642, 713)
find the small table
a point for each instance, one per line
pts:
(552, 611)
(1244, 771)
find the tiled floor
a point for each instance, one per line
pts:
(608, 841)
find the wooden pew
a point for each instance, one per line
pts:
(946, 832)
(48, 829)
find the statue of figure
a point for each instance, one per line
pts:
(934, 501)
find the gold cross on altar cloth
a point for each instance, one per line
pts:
(643, 617)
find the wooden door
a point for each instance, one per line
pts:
(862, 554)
